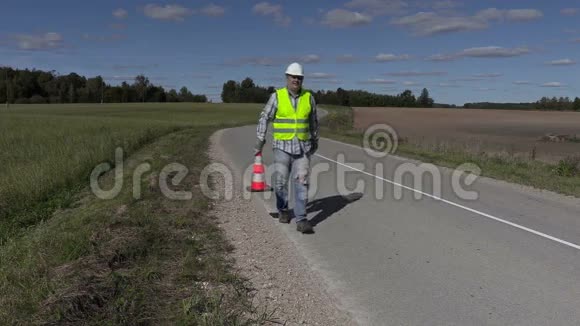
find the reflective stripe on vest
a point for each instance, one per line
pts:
(290, 122)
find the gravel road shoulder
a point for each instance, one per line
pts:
(267, 257)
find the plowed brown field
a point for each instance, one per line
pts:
(514, 133)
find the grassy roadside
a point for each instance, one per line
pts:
(75, 259)
(563, 177)
(150, 260)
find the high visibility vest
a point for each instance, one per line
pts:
(289, 122)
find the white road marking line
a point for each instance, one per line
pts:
(547, 236)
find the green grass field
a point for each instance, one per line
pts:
(48, 151)
(67, 256)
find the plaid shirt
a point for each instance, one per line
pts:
(295, 145)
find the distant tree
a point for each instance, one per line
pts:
(407, 99)
(247, 83)
(95, 89)
(185, 95)
(156, 94)
(113, 95)
(172, 96)
(72, 94)
(125, 93)
(9, 92)
(230, 91)
(342, 97)
(424, 100)
(247, 92)
(199, 98)
(576, 106)
(37, 99)
(37, 86)
(141, 84)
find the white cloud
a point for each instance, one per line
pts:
(489, 14)
(553, 84)
(484, 89)
(46, 41)
(378, 81)
(383, 57)
(321, 75)
(378, 7)
(103, 38)
(325, 81)
(213, 10)
(275, 11)
(120, 13)
(522, 82)
(311, 58)
(410, 83)
(255, 61)
(493, 52)
(345, 18)
(481, 52)
(167, 12)
(443, 57)
(446, 4)
(431, 23)
(488, 75)
(448, 85)
(467, 79)
(569, 11)
(561, 62)
(416, 73)
(523, 14)
(273, 61)
(346, 58)
(493, 14)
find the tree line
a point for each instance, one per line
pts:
(543, 104)
(247, 91)
(37, 87)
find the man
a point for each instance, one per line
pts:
(295, 138)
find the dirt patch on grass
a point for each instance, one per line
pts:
(516, 133)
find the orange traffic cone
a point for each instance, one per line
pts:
(258, 182)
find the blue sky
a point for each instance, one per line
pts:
(461, 51)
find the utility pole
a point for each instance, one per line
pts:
(102, 91)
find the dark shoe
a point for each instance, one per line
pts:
(304, 226)
(284, 217)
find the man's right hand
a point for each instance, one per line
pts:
(258, 146)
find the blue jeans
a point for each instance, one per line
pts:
(297, 165)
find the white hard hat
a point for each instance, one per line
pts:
(295, 69)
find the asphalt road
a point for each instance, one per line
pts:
(509, 257)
